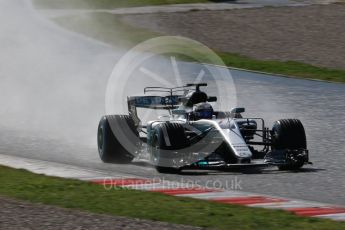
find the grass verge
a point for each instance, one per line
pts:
(112, 30)
(106, 4)
(80, 195)
(289, 68)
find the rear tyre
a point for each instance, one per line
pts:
(289, 134)
(168, 138)
(110, 146)
(167, 170)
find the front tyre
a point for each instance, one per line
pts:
(110, 146)
(289, 135)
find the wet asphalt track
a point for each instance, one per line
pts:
(52, 95)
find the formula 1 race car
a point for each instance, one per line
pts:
(194, 136)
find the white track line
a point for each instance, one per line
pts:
(337, 217)
(221, 194)
(55, 169)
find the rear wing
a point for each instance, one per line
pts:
(151, 102)
(154, 102)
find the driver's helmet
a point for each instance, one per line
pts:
(202, 111)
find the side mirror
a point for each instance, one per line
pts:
(212, 99)
(238, 110)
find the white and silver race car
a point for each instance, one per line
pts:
(194, 136)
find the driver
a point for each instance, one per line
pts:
(202, 111)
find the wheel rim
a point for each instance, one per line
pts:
(100, 139)
(155, 149)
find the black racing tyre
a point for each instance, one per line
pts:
(110, 146)
(167, 138)
(167, 170)
(289, 134)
